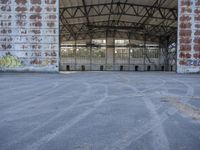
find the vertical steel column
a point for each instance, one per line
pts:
(176, 46)
(159, 54)
(75, 51)
(113, 44)
(129, 55)
(90, 53)
(144, 53)
(167, 54)
(106, 50)
(59, 37)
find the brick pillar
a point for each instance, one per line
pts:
(188, 59)
(29, 35)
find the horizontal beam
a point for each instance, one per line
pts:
(116, 45)
(129, 9)
(118, 3)
(160, 29)
(118, 34)
(128, 22)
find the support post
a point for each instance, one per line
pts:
(106, 61)
(176, 46)
(129, 55)
(159, 55)
(90, 53)
(75, 52)
(144, 53)
(166, 57)
(113, 44)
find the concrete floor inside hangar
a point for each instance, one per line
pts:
(99, 111)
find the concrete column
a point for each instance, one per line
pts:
(110, 42)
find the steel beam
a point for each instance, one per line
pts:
(107, 9)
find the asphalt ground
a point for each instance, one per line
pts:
(100, 111)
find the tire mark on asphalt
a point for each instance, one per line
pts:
(17, 101)
(28, 115)
(159, 138)
(47, 138)
(50, 89)
(31, 99)
(52, 119)
(160, 141)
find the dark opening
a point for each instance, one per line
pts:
(101, 68)
(83, 68)
(121, 68)
(163, 68)
(149, 68)
(68, 68)
(136, 68)
(171, 68)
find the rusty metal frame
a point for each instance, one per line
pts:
(166, 29)
(84, 30)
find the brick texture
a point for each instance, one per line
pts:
(29, 38)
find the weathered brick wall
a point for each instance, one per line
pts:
(29, 35)
(189, 36)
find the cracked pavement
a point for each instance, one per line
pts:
(99, 111)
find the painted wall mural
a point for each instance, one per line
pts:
(189, 36)
(9, 61)
(29, 35)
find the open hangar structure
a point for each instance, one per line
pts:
(133, 35)
(118, 34)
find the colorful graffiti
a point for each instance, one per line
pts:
(193, 62)
(10, 61)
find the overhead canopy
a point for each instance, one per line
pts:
(130, 19)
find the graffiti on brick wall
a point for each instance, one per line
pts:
(189, 35)
(10, 61)
(190, 62)
(193, 63)
(29, 34)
